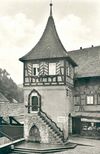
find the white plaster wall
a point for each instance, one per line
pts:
(54, 102)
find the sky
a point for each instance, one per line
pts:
(22, 23)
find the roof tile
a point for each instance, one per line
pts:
(49, 46)
(88, 60)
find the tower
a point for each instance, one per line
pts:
(48, 80)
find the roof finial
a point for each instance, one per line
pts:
(51, 8)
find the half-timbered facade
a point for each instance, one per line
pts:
(58, 71)
(86, 93)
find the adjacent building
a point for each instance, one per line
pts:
(86, 92)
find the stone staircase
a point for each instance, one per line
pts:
(55, 133)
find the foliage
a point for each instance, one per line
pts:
(9, 88)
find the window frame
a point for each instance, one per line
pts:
(68, 71)
(98, 94)
(49, 68)
(77, 104)
(32, 106)
(89, 100)
(36, 68)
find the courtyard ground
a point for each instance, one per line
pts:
(85, 146)
(82, 150)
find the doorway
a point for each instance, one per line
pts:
(34, 134)
(76, 125)
(34, 103)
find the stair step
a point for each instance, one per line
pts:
(45, 151)
(50, 126)
(56, 132)
(56, 135)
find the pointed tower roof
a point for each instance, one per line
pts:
(49, 45)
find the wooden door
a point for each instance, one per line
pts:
(76, 125)
(34, 103)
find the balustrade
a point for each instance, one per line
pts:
(44, 79)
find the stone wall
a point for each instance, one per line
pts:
(11, 109)
(46, 134)
(30, 120)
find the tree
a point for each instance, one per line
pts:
(9, 88)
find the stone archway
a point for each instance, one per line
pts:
(34, 134)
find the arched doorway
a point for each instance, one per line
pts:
(34, 101)
(34, 134)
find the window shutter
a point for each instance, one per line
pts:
(29, 69)
(58, 65)
(43, 68)
(46, 67)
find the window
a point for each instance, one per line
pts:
(35, 71)
(52, 68)
(98, 96)
(89, 99)
(77, 100)
(68, 71)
